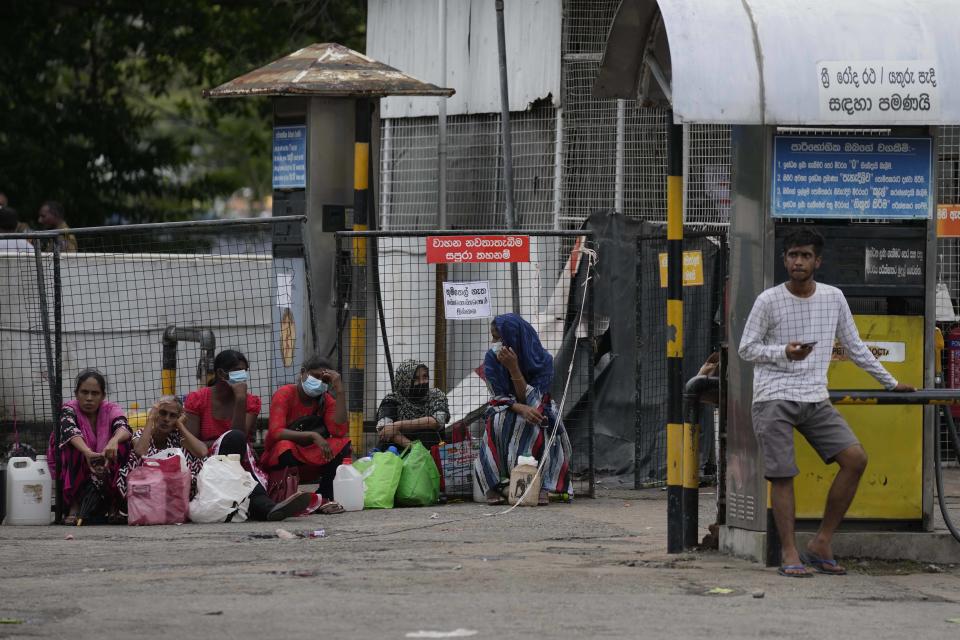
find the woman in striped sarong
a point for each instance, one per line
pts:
(521, 416)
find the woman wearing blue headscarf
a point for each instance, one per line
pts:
(521, 416)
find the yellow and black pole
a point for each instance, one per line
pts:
(691, 470)
(675, 431)
(358, 316)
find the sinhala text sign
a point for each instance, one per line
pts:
(466, 300)
(290, 157)
(851, 177)
(878, 91)
(446, 249)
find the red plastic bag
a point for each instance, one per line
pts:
(283, 483)
(158, 492)
(435, 454)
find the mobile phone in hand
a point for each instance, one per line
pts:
(808, 345)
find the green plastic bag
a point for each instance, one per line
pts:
(380, 480)
(420, 482)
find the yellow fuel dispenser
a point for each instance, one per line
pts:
(880, 251)
(888, 310)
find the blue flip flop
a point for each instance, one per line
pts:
(785, 570)
(819, 563)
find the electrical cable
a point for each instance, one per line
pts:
(938, 469)
(591, 256)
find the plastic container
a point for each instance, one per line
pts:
(28, 492)
(393, 449)
(348, 488)
(521, 478)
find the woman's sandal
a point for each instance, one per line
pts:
(494, 499)
(544, 498)
(330, 507)
(70, 520)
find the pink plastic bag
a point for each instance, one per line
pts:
(158, 492)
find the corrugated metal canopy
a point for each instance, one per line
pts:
(788, 62)
(327, 69)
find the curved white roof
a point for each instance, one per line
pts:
(791, 62)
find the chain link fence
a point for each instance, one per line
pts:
(409, 310)
(133, 302)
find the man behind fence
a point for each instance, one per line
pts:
(8, 224)
(53, 218)
(789, 337)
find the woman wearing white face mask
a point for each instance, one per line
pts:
(308, 425)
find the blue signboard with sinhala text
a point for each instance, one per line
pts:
(847, 177)
(290, 157)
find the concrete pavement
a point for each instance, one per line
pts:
(594, 568)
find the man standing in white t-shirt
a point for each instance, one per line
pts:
(789, 337)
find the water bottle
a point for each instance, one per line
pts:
(28, 491)
(393, 449)
(348, 488)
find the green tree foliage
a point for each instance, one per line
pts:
(101, 107)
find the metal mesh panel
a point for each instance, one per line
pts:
(588, 157)
(645, 163)
(948, 192)
(414, 326)
(589, 144)
(707, 197)
(408, 173)
(26, 349)
(586, 23)
(409, 183)
(948, 249)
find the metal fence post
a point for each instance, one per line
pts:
(51, 376)
(676, 489)
(591, 400)
(56, 390)
(358, 311)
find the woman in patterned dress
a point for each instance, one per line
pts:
(165, 429)
(521, 416)
(93, 446)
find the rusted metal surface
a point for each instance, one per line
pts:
(326, 69)
(405, 33)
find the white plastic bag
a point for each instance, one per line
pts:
(169, 453)
(223, 490)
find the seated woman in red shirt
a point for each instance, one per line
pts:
(308, 424)
(223, 416)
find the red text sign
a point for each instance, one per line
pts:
(442, 249)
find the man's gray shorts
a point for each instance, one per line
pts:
(819, 422)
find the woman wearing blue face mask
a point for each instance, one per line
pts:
(223, 415)
(225, 403)
(308, 425)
